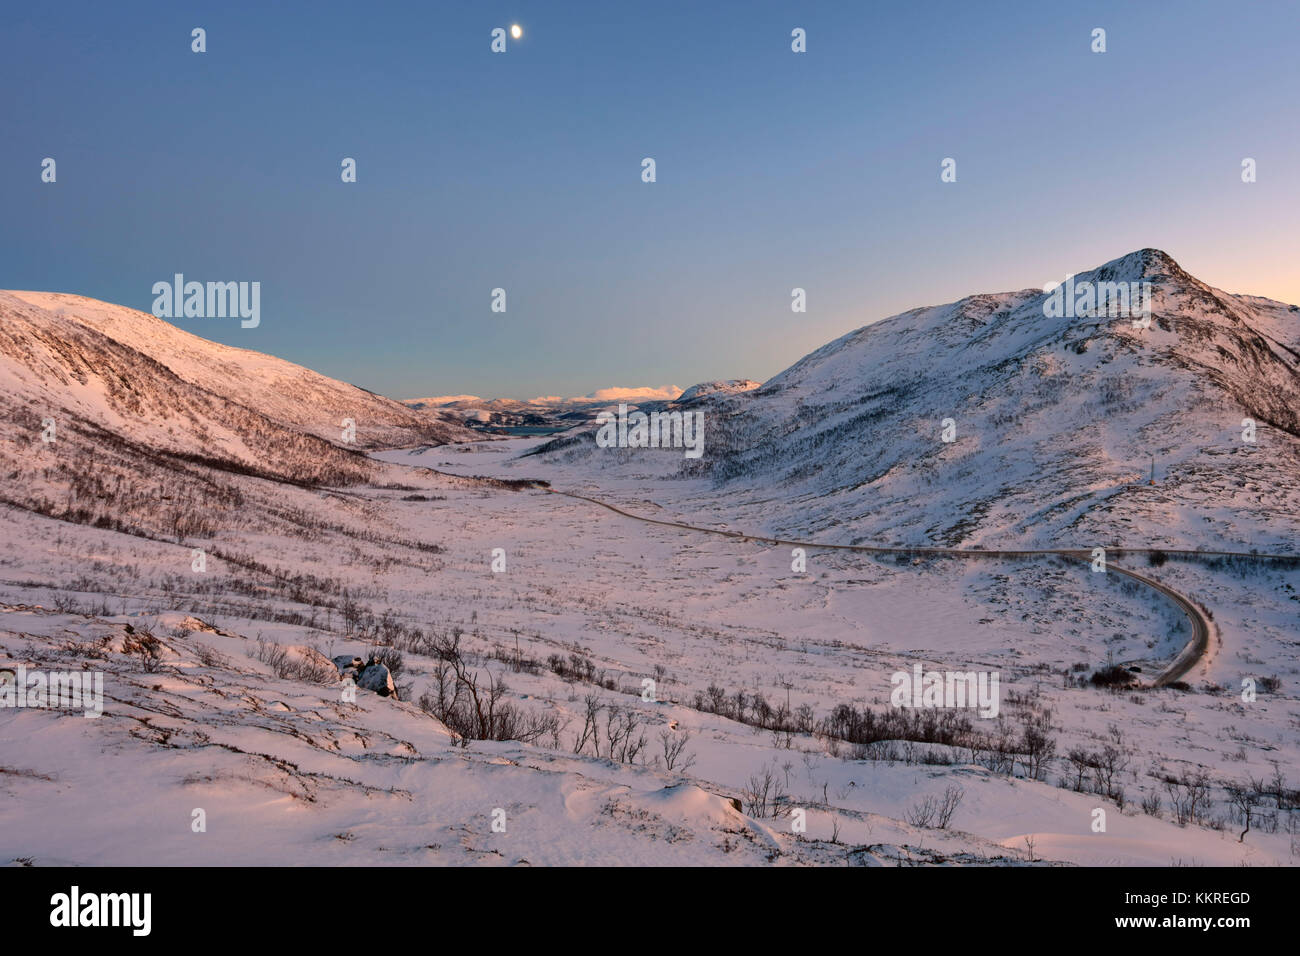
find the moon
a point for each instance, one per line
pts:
(516, 30)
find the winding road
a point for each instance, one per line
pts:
(1182, 662)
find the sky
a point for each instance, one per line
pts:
(522, 170)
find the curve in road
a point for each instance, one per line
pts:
(1182, 662)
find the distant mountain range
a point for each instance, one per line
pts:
(600, 396)
(560, 413)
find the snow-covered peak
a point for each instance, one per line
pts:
(1144, 264)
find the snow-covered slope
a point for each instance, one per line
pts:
(1057, 422)
(279, 390)
(112, 417)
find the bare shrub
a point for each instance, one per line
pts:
(472, 705)
(674, 751)
(936, 811)
(624, 739)
(1036, 749)
(764, 794)
(948, 804)
(1244, 799)
(391, 658)
(1189, 796)
(287, 665)
(141, 643)
(922, 814)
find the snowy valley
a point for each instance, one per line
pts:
(572, 685)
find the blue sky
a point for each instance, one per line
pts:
(522, 170)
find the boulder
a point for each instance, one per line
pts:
(375, 677)
(346, 662)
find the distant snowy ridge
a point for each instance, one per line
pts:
(640, 393)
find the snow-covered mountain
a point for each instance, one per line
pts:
(113, 417)
(272, 387)
(1056, 420)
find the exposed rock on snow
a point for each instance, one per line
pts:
(731, 387)
(375, 677)
(368, 675)
(346, 662)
